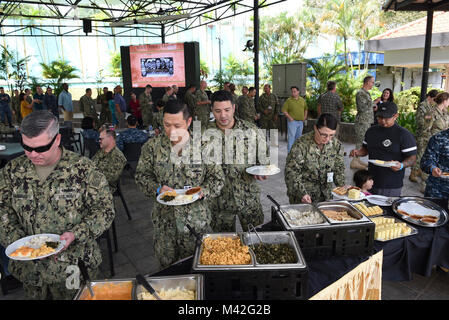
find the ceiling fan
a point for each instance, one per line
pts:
(155, 19)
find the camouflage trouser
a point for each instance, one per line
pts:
(268, 123)
(105, 117)
(224, 221)
(147, 118)
(203, 117)
(173, 241)
(54, 291)
(360, 130)
(421, 144)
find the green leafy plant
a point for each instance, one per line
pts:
(116, 65)
(406, 119)
(57, 72)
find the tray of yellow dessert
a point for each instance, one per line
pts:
(382, 163)
(390, 228)
(367, 209)
(348, 193)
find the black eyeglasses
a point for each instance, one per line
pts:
(323, 135)
(40, 149)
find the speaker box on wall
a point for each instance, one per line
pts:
(87, 25)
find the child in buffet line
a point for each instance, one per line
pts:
(364, 180)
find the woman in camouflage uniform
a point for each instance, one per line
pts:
(315, 163)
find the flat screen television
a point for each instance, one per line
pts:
(158, 64)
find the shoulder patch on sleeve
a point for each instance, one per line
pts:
(95, 178)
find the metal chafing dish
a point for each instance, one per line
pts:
(275, 237)
(289, 224)
(251, 238)
(83, 292)
(343, 205)
(194, 282)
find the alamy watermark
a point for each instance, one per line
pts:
(233, 146)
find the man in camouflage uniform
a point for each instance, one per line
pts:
(202, 109)
(268, 108)
(240, 99)
(315, 163)
(15, 106)
(168, 95)
(105, 112)
(247, 111)
(241, 194)
(363, 119)
(109, 160)
(423, 119)
(146, 103)
(53, 190)
(162, 168)
(158, 117)
(87, 106)
(190, 100)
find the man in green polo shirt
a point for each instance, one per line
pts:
(295, 109)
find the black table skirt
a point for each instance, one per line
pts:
(401, 258)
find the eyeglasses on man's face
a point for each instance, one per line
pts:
(40, 149)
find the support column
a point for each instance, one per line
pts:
(162, 33)
(256, 52)
(427, 50)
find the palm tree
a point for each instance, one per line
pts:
(323, 70)
(338, 19)
(57, 72)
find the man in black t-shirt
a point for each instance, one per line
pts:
(387, 142)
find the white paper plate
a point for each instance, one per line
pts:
(345, 197)
(21, 242)
(179, 192)
(444, 177)
(386, 164)
(379, 200)
(2, 147)
(263, 170)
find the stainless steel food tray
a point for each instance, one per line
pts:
(414, 230)
(249, 239)
(275, 237)
(302, 208)
(425, 203)
(345, 205)
(84, 290)
(196, 266)
(193, 282)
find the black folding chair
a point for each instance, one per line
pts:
(69, 140)
(91, 146)
(132, 155)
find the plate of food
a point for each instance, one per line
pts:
(445, 175)
(382, 163)
(348, 193)
(420, 211)
(379, 200)
(35, 247)
(179, 197)
(267, 170)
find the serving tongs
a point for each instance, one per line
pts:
(285, 214)
(86, 277)
(252, 229)
(142, 281)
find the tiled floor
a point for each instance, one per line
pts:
(135, 254)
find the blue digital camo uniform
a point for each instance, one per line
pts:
(131, 135)
(436, 155)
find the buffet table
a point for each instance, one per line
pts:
(401, 257)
